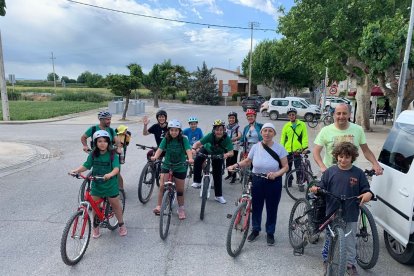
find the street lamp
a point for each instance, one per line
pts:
(251, 26)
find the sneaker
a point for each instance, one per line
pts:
(196, 185)
(301, 188)
(228, 177)
(181, 212)
(270, 240)
(221, 199)
(95, 232)
(351, 270)
(123, 230)
(253, 235)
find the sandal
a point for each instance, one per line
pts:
(157, 210)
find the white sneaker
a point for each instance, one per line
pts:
(196, 185)
(221, 199)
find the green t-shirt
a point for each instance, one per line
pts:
(110, 130)
(175, 152)
(102, 165)
(216, 146)
(330, 136)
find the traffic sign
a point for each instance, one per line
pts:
(333, 90)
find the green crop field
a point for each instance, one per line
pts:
(35, 110)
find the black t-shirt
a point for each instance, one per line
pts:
(158, 131)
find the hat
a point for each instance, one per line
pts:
(268, 125)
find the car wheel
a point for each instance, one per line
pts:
(308, 117)
(264, 113)
(402, 254)
(273, 115)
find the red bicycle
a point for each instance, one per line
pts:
(240, 220)
(77, 232)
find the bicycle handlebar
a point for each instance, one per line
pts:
(143, 147)
(212, 156)
(263, 175)
(341, 197)
(79, 176)
(370, 172)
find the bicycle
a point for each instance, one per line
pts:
(240, 220)
(243, 155)
(297, 180)
(150, 174)
(326, 118)
(77, 232)
(206, 180)
(308, 220)
(167, 202)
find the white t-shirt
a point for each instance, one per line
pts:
(263, 162)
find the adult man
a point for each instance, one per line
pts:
(294, 138)
(341, 131)
(104, 124)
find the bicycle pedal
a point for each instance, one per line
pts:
(298, 252)
(229, 216)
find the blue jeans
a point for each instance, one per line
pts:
(269, 191)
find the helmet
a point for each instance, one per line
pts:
(104, 115)
(192, 120)
(292, 109)
(232, 113)
(161, 112)
(250, 112)
(218, 122)
(174, 123)
(100, 133)
(121, 129)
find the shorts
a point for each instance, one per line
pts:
(178, 175)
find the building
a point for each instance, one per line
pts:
(230, 82)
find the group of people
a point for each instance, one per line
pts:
(261, 153)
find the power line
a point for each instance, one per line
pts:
(169, 19)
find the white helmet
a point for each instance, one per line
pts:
(174, 123)
(192, 120)
(101, 133)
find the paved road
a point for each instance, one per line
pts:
(37, 201)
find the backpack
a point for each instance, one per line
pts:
(111, 132)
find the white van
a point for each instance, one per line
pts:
(278, 109)
(394, 209)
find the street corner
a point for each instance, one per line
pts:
(15, 156)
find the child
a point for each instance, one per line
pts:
(124, 137)
(104, 162)
(348, 180)
(159, 129)
(193, 132)
(177, 149)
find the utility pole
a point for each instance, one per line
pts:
(325, 87)
(403, 75)
(54, 75)
(4, 99)
(251, 26)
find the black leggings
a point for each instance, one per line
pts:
(216, 164)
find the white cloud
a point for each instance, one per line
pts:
(266, 6)
(211, 4)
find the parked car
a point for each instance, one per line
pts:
(303, 100)
(253, 102)
(264, 109)
(278, 109)
(393, 210)
(334, 102)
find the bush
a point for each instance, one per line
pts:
(183, 99)
(13, 96)
(234, 96)
(82, 97)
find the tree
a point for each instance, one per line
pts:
(154, 81)
(50, 77)
(91, 80)
(333, 30)
(122, 85)
(176, 78)
(203, 89)
(2, 7)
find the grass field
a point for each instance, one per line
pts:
(35, 110)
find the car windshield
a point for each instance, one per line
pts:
(305, 102)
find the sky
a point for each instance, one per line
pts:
(83, 38)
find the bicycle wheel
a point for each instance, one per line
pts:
(367, 239)
(298, 223)
(206, 183)
(328, 120)
(337, 253)
(146, 183)
(238, 230)
(298, 183)
(165, 215)
(111, 222)
(313, 123)
(82, 189)
(74, 243)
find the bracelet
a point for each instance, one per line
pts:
(238, 165)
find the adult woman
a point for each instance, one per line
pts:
(251, 132)
(270, 158)
(232, 130)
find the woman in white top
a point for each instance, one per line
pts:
(265, 190)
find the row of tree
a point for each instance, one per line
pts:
(360, 39)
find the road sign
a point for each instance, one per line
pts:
(334, 88)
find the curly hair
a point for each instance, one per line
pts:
(346, 148)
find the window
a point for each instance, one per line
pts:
(280, 103)
(398, 150)
(298, 104)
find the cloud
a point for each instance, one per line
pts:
(85, 38)
(211, 4)
(266, 6)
